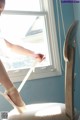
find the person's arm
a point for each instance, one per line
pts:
(21, 50)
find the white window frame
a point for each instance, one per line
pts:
(55, 68)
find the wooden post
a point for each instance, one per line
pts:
(69, 84)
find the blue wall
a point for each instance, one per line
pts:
(48, 89)
(76, 9)
(71, 12)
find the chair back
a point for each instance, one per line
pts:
(69, 57)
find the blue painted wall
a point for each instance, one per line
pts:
(76, 8)
(48, 89)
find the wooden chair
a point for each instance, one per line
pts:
(56, 111)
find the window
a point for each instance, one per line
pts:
(31, 24)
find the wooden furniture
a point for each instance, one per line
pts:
(69, 57)
(56, 111)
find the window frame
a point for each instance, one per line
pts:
(42, 72)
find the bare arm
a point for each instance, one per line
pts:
(18, 49)
(21, 50)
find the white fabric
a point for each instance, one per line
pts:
(27, 76)
(3, 48)
(42, 111)
(5, 51)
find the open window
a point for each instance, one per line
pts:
(31, 24)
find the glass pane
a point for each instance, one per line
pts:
(27, 31)
(23, 5)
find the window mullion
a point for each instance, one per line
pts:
(12, 12)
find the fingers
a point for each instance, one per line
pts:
(40, 57)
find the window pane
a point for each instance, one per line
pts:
(27, 31)
(23, 5)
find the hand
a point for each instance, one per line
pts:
(39, 57)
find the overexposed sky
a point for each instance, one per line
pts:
(31, 5)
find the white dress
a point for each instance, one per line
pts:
(3, 46)
(4, 50)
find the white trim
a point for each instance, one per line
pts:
(55, 68)
(12, 12)
(48, 5)
(19, 75)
